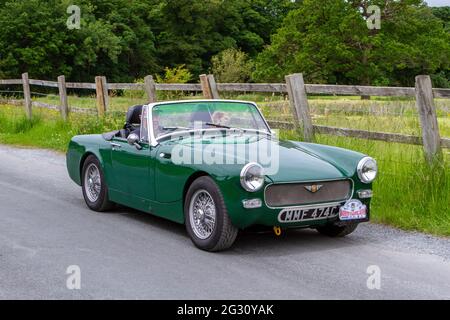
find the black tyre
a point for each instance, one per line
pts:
(206, 217)
(95, 190)
(337, 231)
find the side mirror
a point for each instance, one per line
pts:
(133, 140)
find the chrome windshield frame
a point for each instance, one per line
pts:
(154, 141)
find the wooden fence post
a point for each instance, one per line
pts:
(150, 88)
(101, 102)
(27, 95)
(213, 86)
(428, 120)
(299, 104)
(205, 86)
(64, 105)
(105, 92)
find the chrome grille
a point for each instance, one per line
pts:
(292, 194)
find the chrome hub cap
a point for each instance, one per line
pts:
(202, 214)
(92, 183)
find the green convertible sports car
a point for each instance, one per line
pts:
(217, 167)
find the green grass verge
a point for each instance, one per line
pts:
(47, 130)
(408, 194)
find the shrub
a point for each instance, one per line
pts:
(178, 74)
(231, 65)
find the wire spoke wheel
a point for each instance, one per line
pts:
(206, 216)
(92, 182)
(202, 214)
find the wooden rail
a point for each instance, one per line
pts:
(253, 87)
(80, 85)
(178, 87)
(295, 87)
(43, 83)
(11, 81)
(361, 134)
(359, 90)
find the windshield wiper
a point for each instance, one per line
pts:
(217, 125)
(240, 129)
(175, 128)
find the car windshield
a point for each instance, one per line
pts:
(172, 117)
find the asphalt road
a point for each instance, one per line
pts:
(45, 227)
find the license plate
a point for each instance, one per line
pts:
(353, 210)
(300, 215)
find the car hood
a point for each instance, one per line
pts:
(291, 162)
(298, 164)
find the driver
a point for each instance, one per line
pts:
(221, 118)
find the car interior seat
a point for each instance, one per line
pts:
(133, 120)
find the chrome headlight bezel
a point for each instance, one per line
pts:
(244, 177)
(363, 163)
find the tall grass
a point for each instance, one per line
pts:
(17, 123)
(47, 130)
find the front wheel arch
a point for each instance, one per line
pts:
(101, 202)
(83, 160)
(191, 180)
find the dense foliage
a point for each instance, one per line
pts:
(329, 42)
(125, 40)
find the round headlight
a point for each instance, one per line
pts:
(252, 177)
(367, 169)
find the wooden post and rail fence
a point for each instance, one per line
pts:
(294, 86)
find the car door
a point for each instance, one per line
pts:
(133, 169)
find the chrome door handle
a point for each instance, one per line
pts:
(165, 155)
(115, 145)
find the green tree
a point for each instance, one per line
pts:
(191, 32)
(443, 13)
(329, 42)
(442, 77)
(231, 65)
(114, 40)
(125, 40)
